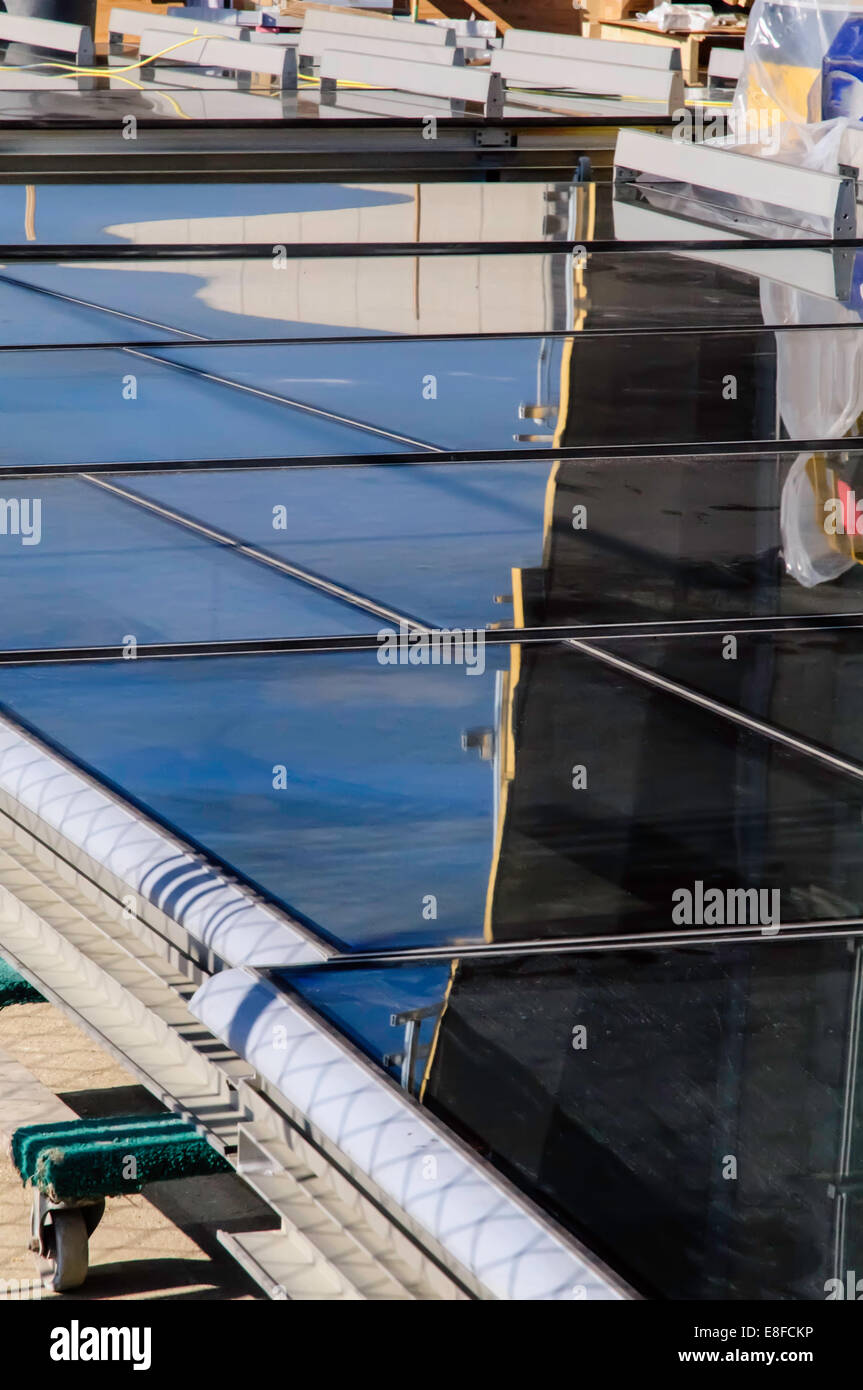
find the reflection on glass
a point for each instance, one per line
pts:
(218, 402)
(686, 1113)
(542, 793)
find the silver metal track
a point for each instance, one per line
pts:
(128, 987)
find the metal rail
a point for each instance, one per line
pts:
(112, 976)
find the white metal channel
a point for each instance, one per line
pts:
(75, 39)
(278, 1160)
(324, 29)
(661, 85)
(725, 171)
(446, 1196)
(119, 994)
(333, 1243)
(137, 22)
(636, 55)
(277, 61)
(112, 842)
(424, 79)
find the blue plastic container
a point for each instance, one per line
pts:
(842, 73)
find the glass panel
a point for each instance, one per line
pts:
(588, 857)
(515, 793)
(619, 542)
(693, 1130)
(662, 547)
(376, 396)
(436, 543)
(87, 567)
(144, 300)
(309, 774)
(803, 682)
(293, 214)
(682, 1112)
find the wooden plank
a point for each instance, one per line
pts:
(690, 43)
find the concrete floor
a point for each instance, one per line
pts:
(160, 1244)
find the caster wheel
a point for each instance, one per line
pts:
(66, 1260)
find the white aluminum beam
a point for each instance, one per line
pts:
(445, 1195)
(660, 85)
(476, 35)
(278, 62)
(395, 51)
(724, 64)
(787, 186)
(664, 58)
(274, 1156)
(136, 22)
(322, 29)
(74, 39)
(421, 79)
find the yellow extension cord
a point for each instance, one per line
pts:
(69, 68)
(133, 67)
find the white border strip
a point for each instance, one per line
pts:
(222, 915)
(501, 1241)
(727, 171)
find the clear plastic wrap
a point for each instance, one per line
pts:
(777, 113)
(786, 44)
(777, 105)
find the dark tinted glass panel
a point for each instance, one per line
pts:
(514, 793)
(685, 1112)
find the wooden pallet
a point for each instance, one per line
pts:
(694, 47)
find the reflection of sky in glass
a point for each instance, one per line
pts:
(73, 408)
(382, 805)
(104, 568)
(361, 1002)
(436, 543)
(83, 212)
(78, 414)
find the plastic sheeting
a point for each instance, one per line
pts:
(777, 113)
(777, 107)
(785, 46)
